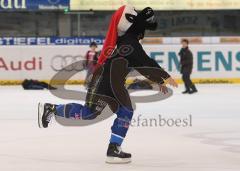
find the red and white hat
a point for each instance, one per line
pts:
(119, 24)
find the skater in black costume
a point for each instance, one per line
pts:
(126, 28)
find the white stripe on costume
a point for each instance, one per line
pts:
(118, 136)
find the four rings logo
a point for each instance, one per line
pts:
(76, 63)
(60, 63)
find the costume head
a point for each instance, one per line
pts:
(145, 20)
(126, 20)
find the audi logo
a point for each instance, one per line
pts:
(76, 63)
(67, 63)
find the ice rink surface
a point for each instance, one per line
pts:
(212, 143)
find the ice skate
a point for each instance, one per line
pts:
(45, 113)
(115, 155)
(186, 92)
(193, 89)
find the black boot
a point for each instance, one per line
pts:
(186, 91)
(193, 89)
(115, 155)
(45, 113)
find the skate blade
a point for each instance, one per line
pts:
(116, 160)
(40, 113)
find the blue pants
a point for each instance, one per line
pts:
(119, 127)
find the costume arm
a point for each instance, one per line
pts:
(148, 67)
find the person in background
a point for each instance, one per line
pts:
(186, 66)
(91, 60)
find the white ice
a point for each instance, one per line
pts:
(211, 144)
